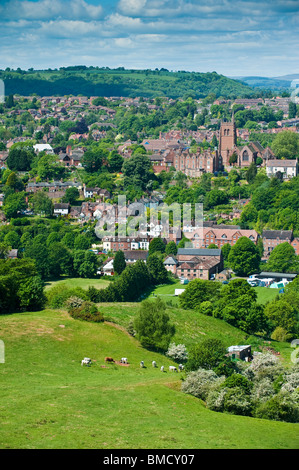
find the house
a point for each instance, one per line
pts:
(131, 256)
(191, 263)
(93, 192)
(170, 264)
(223, 275)
(272, 238)
(61, 209)
(295, 245)
(12, 254)
(43, 148)
(220, 235)
(288, 168)
(125, 244)
(240, 352)
(108, 268)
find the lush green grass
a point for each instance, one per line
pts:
(265, 294)
(72, 282)
(191, 326)
(48, 400)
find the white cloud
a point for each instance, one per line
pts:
(49, 9)
(132, 7)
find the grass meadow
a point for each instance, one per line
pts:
(49, 401)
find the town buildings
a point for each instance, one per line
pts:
(193, 263)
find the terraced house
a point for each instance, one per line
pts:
(220, 235)
(193, 263)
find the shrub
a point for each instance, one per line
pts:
(263, 366)
(177, 352)
(207, 355)
(238, 380)
(281, 407)
(58, 295)
(262, 391)
(206, 308)
(73, 302)
(281, 334)
(153, 326)
(130, 328)
(237, 401)
(199, 383)
(291, 382)
(93, 294)
(215, 400)
(88, 312)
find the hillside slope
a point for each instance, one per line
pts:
(120, 82)
(48, 400)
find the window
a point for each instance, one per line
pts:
(245, 156)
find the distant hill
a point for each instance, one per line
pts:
(269, 83)
(94, 81)
(290, 77)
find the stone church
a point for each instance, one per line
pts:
(244, 155)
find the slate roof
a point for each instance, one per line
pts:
(200, 251)
(281, 234)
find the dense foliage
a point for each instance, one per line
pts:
(95, 81)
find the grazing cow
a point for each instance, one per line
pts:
(86, 361)
(162, 369)
(124, 360)
(154, 364)
(141, 364)
(173, 368)
(109, 359)
(181, 367)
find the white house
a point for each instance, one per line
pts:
(61, 209)
(289, 168)
(43, 148)
(108, 268)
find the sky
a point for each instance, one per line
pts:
(233, 38)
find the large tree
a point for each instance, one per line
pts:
(153, 326)
(42, 204)
(286, 145)
(137, 171)
(119, 262)
(156, 268)
(237, 306)
(14, 204)
(283, 259)
(157, 245)
(244, 258)
(19, 159)
(206, 355)
(198, 291)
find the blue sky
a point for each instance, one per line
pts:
(234, 38)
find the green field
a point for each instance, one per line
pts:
(72, 282)
(264, 294)
(48, 400)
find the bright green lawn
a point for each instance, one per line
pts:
(166, 291)
(48, 400)
(71, 282)
(265, 294)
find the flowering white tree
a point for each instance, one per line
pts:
(200, 382)
(177, 352)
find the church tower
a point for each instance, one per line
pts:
(227, 141)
